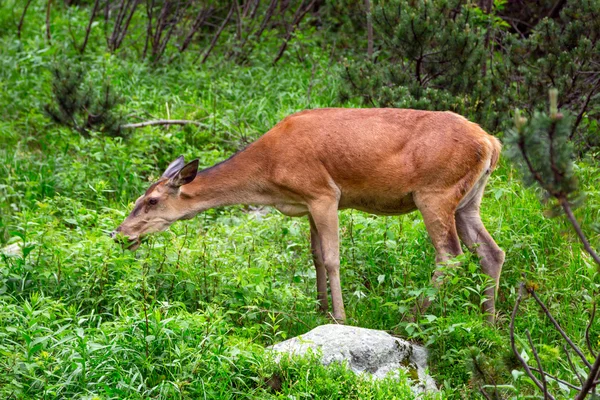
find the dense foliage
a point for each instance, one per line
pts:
(449, 54)
(190, 314)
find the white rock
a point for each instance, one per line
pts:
(366, 351)
(13, 250)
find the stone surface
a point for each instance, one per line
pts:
(366, 351)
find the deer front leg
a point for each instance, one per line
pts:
(315, 246)
(324, 215)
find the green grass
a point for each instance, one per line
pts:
(190, 313)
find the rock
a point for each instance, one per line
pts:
(366, 351)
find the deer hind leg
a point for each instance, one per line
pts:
(317, 253)
(438, 214)
(478, 240)
(324, 215)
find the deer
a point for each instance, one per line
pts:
(383, 161)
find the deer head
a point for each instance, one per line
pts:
(160, 206)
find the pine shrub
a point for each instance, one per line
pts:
(77, 104)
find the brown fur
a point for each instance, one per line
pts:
(382, 161)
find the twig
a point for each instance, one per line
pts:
(587, 331)
(198, 22)
(160, 122)
(559, 329)
(22, 19)
(567, 208)
(48, 35)
(554, 378)
(312, 80)
(572, 365)
(149, 8)
(122, 22)
(298, 15)
(89, 26)
(238, 22)
(513, 345)
(484, 393)
(539, 363)
(369, 29)
(217, 35)
(261, 29)
(583, 109)
(556, 9)
(591, 381)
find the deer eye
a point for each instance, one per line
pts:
(153, 202)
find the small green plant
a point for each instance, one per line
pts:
(77, 104)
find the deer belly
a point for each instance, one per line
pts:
(380, 205)
(292, 210)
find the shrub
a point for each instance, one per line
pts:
(77, 104)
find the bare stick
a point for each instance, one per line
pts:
(160, 122)
(572, 365)
(591, 381)
(216, 37)
(298, 15)
(149, 8)
(48, 35)
(310, 83)
(126, 25)
(567, 208)
(539, 363)
(482, 390)
(198, 22)
(256, 35)
(554, 378)
(559, 329)
(89, 26)
(238, 22)
(587, 331)
(583, 109)
(22, 19)
(369, 29)
(513, 345)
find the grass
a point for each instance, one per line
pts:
(190, 313)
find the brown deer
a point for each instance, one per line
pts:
(315, 162)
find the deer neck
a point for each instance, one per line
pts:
(237, 180)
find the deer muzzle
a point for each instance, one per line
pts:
(128, 242)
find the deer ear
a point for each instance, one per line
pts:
(185, 175)
(174, 168)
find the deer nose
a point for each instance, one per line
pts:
(113, 234)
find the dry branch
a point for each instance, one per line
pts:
(514, 346)
(196, 25)
(591, 382)
(48, 35)
(559, 328)
(539, 364)
(89, 27)
(587, 331)
(298, 16)
(20, 26)
(160, 122)
(218, 34)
